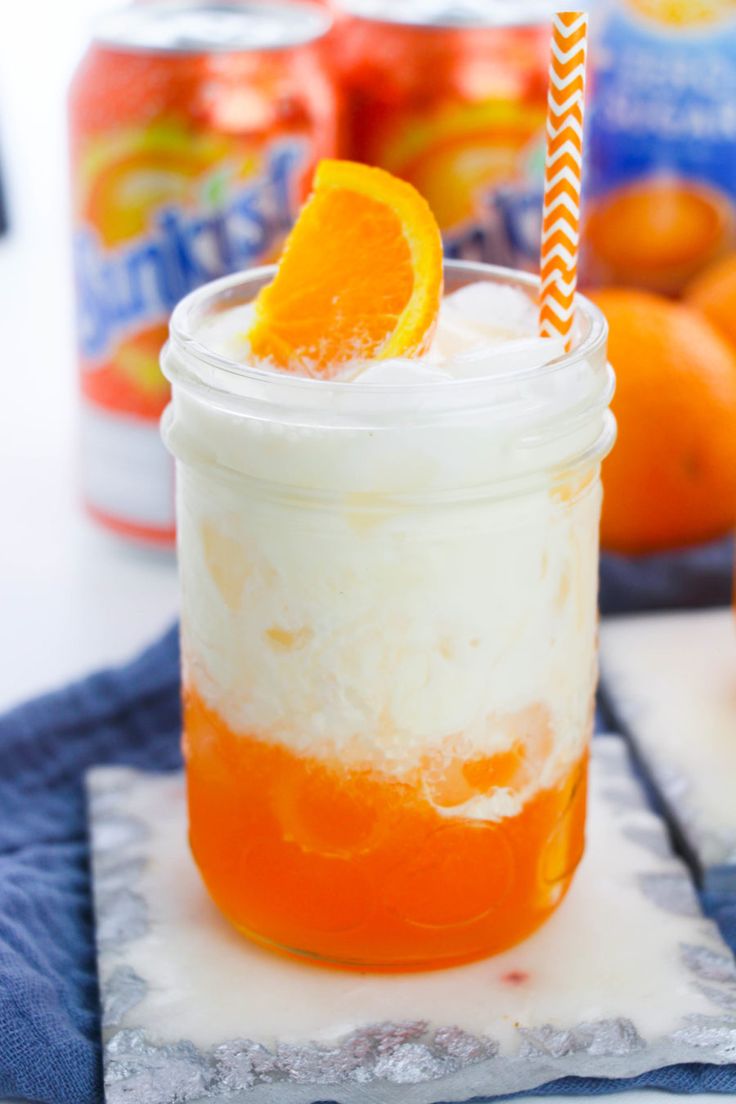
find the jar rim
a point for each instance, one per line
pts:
(290, 390)
(521, 422)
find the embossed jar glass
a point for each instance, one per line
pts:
(388, 640)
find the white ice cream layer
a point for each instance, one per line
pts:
(390, 590)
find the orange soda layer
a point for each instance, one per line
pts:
(357, 867)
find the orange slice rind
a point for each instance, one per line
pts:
(360, 277)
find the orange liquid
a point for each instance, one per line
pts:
(359, 868)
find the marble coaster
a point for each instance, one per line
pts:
(627, 976)
(671, 679)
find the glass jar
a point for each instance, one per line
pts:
(388, 640)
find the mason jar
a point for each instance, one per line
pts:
(388, 637)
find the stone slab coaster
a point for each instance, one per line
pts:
(671, 678)
(627, 976)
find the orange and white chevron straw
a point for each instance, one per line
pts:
(563, 174)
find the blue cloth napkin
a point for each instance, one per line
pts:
(689, 578)
(49, 1022)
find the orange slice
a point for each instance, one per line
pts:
(360, 276)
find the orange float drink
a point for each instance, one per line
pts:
(389, 577)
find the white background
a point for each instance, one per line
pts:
(71, 598)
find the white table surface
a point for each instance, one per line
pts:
(72, 599)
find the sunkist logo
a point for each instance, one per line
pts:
(122, 289)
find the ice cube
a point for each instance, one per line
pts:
(494, 306)
(402, 372)
(512, 356)
(454, 336)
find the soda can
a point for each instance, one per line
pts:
(194, 130)
(661, 173)
(451, 95)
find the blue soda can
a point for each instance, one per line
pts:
(661, 143)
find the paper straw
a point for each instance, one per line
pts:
(562, 174)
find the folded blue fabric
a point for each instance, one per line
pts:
(688, 578)
(49, 1024)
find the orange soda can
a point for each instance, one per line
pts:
(194, 131)
(451, 95)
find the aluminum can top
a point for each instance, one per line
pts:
(210, 26)
(453, 14)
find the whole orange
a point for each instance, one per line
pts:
(671, 477)
(713, 293)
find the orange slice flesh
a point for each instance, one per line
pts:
(360, 276)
